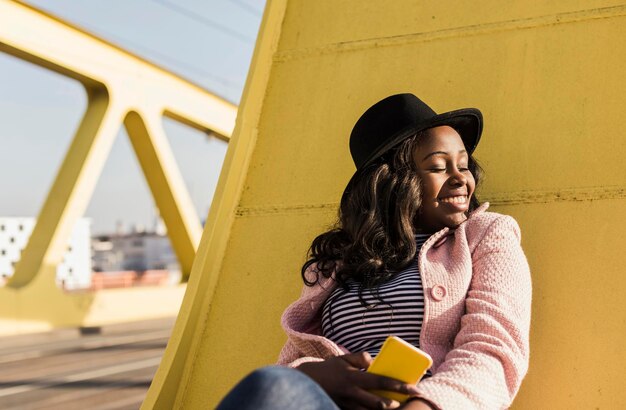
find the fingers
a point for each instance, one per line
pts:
(371, 381)
(354, 393)
(360, 398)
(361, 360)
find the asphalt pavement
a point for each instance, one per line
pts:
(108, 368)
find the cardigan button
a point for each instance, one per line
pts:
(438, 292)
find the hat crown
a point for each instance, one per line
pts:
(395, 118)
(383, 120)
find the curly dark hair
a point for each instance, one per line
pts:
(374, 236)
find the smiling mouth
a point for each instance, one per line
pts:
(460, 199)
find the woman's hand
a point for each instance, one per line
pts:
(343, 379)
(418, 404)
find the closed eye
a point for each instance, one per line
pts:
(462, 169)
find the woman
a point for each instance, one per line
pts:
(415, 255)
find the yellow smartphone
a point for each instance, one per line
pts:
(400, 360)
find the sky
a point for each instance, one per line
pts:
(209, 42)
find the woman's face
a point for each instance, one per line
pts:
(447, 183)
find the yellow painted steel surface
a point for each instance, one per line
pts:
(549, 78)
(121, 89)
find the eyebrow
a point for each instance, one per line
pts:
(440, 153)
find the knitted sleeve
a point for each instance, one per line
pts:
(305, 342)
(490, 354)
(290, 356)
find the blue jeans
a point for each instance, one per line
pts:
(278, 388)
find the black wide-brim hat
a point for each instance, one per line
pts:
(398, 117)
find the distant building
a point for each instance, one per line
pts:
(74, 272)
(138, 251)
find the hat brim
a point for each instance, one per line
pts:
(468, 122)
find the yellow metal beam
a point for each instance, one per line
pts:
(121, 88)
(168, 188)
(170, 383)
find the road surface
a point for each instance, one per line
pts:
(97, 369)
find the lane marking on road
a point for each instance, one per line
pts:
(77, 344)
(91, 374)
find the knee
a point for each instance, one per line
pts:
(267, 387)
(272, 377)
(276, 387)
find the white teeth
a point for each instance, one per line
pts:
(454, 199)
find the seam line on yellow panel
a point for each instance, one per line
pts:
(563, 195)
(464, 31)
(495, 199)
(285, 209)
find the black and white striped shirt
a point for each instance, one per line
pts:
(348, 323)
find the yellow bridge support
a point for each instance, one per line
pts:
(548, 77)
(121, 88)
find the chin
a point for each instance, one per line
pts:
(440, 221)
(455, 221)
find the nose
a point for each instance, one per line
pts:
(457, 178)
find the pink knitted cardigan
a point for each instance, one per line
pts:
(477, 291)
